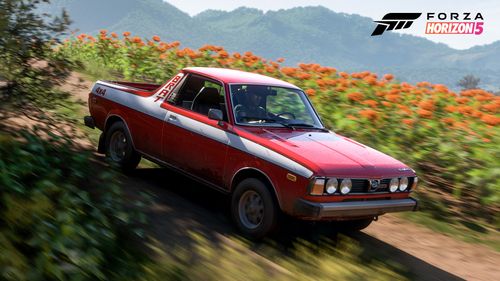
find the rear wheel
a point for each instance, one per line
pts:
(119, 148)
(253, 208)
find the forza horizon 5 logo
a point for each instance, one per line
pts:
(437, 23)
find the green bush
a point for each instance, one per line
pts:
(59, 218)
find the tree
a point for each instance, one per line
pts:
(468, 82)
(28, 68)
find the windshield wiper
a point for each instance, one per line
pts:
(306, 125)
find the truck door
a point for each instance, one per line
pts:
(191, 141)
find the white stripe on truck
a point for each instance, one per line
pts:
(148, 106)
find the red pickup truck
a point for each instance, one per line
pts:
(254, 137)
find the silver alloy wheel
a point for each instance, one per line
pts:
(117, 146)
(251, 209)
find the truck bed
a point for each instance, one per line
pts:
(141, 89)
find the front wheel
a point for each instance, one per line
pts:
(253, 208)
(119, 148)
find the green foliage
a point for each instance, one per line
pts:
(59, 218)
(28, 68)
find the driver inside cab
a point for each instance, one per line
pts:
(250, 109)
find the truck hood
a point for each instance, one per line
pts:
(330, 154)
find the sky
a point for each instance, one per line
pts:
(489, 9)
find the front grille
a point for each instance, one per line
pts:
(359, 186)
(363, 185)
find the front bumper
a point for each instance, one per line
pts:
(352, 209)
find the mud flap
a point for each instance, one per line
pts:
(100, 148)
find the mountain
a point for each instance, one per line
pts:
(304, 34)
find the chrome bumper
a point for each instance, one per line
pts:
(337, 210)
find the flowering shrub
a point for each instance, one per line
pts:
(451, 139)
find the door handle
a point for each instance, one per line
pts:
(172, 118)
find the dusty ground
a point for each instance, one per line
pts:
(468, 261)
(182, 205)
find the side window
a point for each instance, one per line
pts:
(200, 94)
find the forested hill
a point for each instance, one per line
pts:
(306, 34)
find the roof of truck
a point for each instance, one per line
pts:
(227, 75)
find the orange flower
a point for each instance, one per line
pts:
(424, 113)
(388, 77)
(393, 98)
(370, 103)
(223, 54)
(427, 105)
(356, 96)
(441, 88)
(423, 84)
(490, 119)
(369, 114)
(236, 55)
(270, 69)
(114, 35)
(451, 108)
(404, 109)
(304, 76)
(175, 44)
(320, 82)
(386, 103)
(289, 71)
(126, 34)
(477, 114)
(466, 110)
(341, 88)
(344, 75)
(180, 53)
(304, 66)
(491, 107)
(163, 56)
(484, 97)
(448, 120)
(351, 117)
(370, 80)
(408, 122)
(136, 39)
(280, 60)
(462, 100)
(103, 31)
(311, 92)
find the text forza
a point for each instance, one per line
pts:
(454, 23)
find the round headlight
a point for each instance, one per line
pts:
(331, 185)
(345, 186)
(403, 184)
(394, 185)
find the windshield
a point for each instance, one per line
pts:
(272, 106)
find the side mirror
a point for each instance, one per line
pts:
(215, 114)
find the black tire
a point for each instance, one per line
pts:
(125, 157)
(355, 225)
(247, 219)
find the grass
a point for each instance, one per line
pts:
(233, 258)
